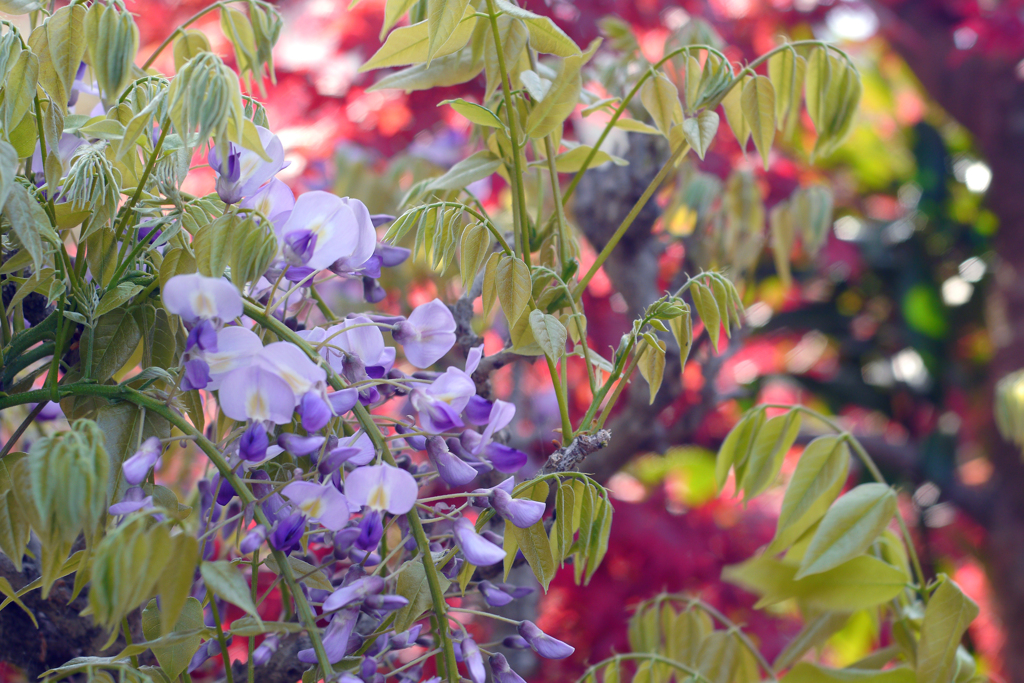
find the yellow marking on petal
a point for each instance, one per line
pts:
(256, 407)
(313, 507)
(203, 304)
(378, 498)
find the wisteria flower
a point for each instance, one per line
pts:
(474, 660)
(504, 458)
(503, 673)
(440, 403)
(324, 504)
(342, 229)
(235, 348)
(542, 643)
(335, 639)
(254, 393)
(135, 499)
(451, 469)
(356, 591)
(477, 549)
(427, 335)
(381, 488)
(274, 200)
(137, 467)
(196, 297)
(244, 171)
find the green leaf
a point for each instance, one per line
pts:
(117, 296)
(770, 446)
(490, 288)
(412, 585)
(537, 86)
(819, 477)
(174, 658)
(189, 43)
(545, 36)
(304, 572)
(533, 542)
(113, 343)
(175, 582)
(409, 44)
(660, 98)
(120, 425)
(600, 531)
(29, 222)
(723, 659)
(564, 504)
(572, 160)
(513, 285)
(806, 672)
(707, 309)
(550, 114)
(514, 36)
(549, 333)
(443, 16)
(787, 71)
(14, 522)
(224, 579)
(7, 590)
(393, 11)
(476, 113)
(471, 169)
(758, 103)
(8, 170)
(946, 619)
(473, 252)
(814, 634)
(736, 447)
(700, 131)
(849, 528)
(734, 114)
(652, 366)
(442, 72)
(246, 627)
(20, 90)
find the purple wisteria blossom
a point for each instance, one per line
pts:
(382, 488)
(336, 637)
(324, 504)
(342, 230)
(274, 200)
(452, 470)
(503, 673)
(440, 402)
(197, 297)
(135, 499)
(137, 467)
(357, 591)
(243, 171)
(235, 348)
(427, 335)
(477, 549)
(474, 660)
(254, 393)
(504, 458)
(542, 643)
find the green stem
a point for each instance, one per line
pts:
(22, 427)
(253, 581)
(167, 41)
(127, 212)
(628, 220)
(127, 631)
(618, 389)
(221, 639)
(633, 656)
(563, 406)
(518, 191)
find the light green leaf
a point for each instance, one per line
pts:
(549, 333)
(473, 251)
(174, 658)
(736, 447)
(112, 343)
(536, 85)
(661, 100)
(946, 619)
(533, 542)
(723, 659)
(734, 114)
(443, 16)
(14, 521)
(564, 504)
(600, 531)
(304, 572)
(813, 634)
(819, 477)
(634, 126)
(476, 113)
(246, 627)
(545, 36)
(758, 104)
(413, 586)
(175, 582)
(707, 309)
(393, 11)
(572, 160)
(224, 579)
(409, 44)
(787, 71)
(806, 672)
(119, 423)
(29, 222)
(849, 527)
(20, 90)
(512, 283)
(700, 131)
(770, 446)
(442, 72)
(471, 169)
(550, 114)
(514, 36)
(117, 296)
(7, 590)
(8, 170)
(490, 289)
(652, 366)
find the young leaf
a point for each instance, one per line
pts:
(224, 580)
(409, 44)
(413, 586)
(550, 113)
(700, 131)
(565, 501)
(490, 289)
(661, 100)
(474, 112)
(174, 658)
(694, 75)
(175, 582)
(442, 72)
(734, 114)
(770, 446)
(682, 329)
(707, 309)
(652, 366)
(471, 169)
(512, 283)
(818, 478)
(549, 333)
(473, 251)
(735, 449)
(814, 633)
(545, 36)
(537, 86)
(189, 43)
(443, 16)
(29, 222)
(946, 618)
(14, 522)
(849, 528)
(534, 542)
(807, 672)
(20, 90)
(758, 103)
(780, 221)
(600, 531)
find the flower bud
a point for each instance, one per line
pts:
(137, 467)
(522, 512)
(452, 470)
(112, 38)
(503, 673)
(475, 547)
(474, 660)
(542, 643)
(253, 540)
(253, 443)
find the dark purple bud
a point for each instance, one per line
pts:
(371, 529)
(343, 400)
(478, 410)
(522, 512)
(416, 442)
(542, 643)
(402, 640)
(287, 534)
(201, 655)
(202, 335)
(515, 643)
(253, 540)
(386, 602)
(453, 471)
(196, 376)
(503, 673)
(364, 557)
(368, 669)
(505, 458)
(300, 445)
(373, 293)
(253, 443)
(379, 219)
(343, 541)
(315, 411)
(225, 492)
(474, 660)
(494, 596)
(261, 655)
